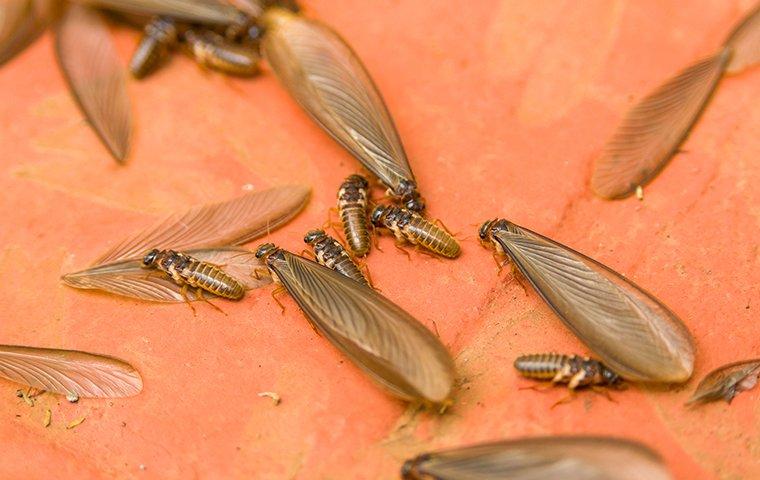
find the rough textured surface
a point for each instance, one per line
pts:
(502, 107)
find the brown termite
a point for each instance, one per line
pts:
(159, 35)
(216, 52)
(352, 208)
(409, 226)
(187, 272)
(330, 253)
(574, 370)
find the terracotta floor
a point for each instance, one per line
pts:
(502, 107)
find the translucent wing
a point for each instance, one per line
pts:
(233, 222)
(542, 458)
(196, 11)
(720, 384)
(69, 372)
(744, 42)
(329, 81)
(96, 77)
(21, 22)
(652, 131)
(632, 332)
(128, 278)
(387, 343)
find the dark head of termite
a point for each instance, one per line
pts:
(150, 258)
(485, 231)
(409, 197)
(265, 250)
(313, 236)
(409, 470)
(377, 215)
(610, 377)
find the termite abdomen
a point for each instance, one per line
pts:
(352, 208)
(540, 366)
(413, 228)
(216, 52)
(330, 253)
(157, 37)
(188, 271)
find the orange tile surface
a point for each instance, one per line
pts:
(502, 106)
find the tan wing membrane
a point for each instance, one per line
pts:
(329, 81)
(387, 343)
(196, 11)
(652, 131)
(744, 43)
(232, 222)
(725, 382)
(130, 279)
(630, 330)
(21, 22)
(545, 458)
(69, 372)
(96, 76)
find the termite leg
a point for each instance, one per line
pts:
(440, 223)
(329, 222)
(199, 294)
(427, 252)
(604, 392)
(279, 291)
(569, 398)
(398, 246)
(307, 253)
(575, 380)
(259, 272)
(183, 292)
(499, 262)
(541, 387)
(513, 272)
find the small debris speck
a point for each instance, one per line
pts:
(275, 397)
(640, 193)
(72, 397)
(142, 467)
(75, 423)
(48, 418)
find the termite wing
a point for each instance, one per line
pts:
(69, 372)
(725, 382)
(21, 23)
(388, 344)
(209, 12)
(545, 458)
(632, 332)
(203, 232)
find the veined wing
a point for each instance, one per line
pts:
(744, 42)
(631, 331)
(21, 22)
(196, 11)
(329, 81)
(232, 222)
(69, 372)
(97, 79)
(652, 131)
(542, 458)
(128, 278)
(387, 343)
(720, 384)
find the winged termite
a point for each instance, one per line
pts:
(330, 253)
(232, 222)
(744, 42)
(195, 11)
(213, 51)
(387, 343)
(652, 131)
(91, 65)
(573, 370)
(329, 81)
(158, 36)
(631, 331)
(725, 382)
(409, 226)
(545, 458)
(69, 372)
(21, 22)
(352, 208)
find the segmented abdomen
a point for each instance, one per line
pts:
(426, 234)
(542, 366)
(345, 266)
(355, 227)
(212, 279)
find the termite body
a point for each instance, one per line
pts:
(352, 208)
(574, 370)
(216, 52)
(330, 253)
(411, 227)
(159, 35)
(187, 271)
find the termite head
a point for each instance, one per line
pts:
(377, 215)
(150, 258)
(409, 196)
(265, 250)
(610, 377)
(410, 471)
(313, 236)
(485, 231)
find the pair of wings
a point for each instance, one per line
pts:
(542, 458)
(651, 132)
(203, 232)
(69, 372)
(393, 348)
(720, 384)
(630, 330)
(329, 81)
